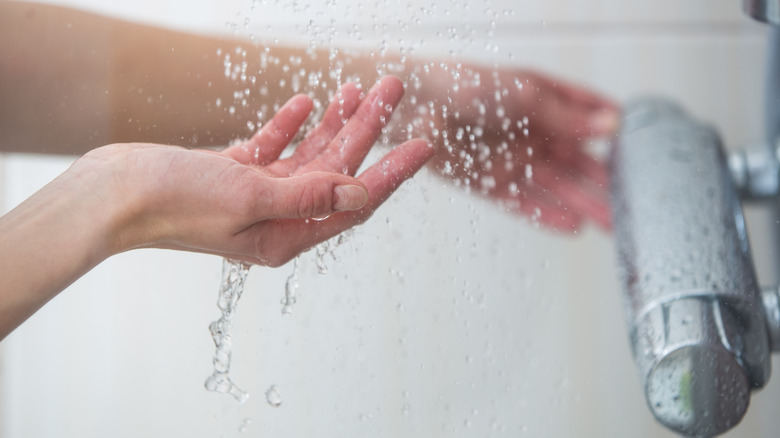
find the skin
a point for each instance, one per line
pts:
(71, 82)
(243, 203)
(74, 81)
(88, 81)
(530, 156)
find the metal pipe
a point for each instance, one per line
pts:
(763, 10)
(756, 170)
(771, 298)
(772, 103)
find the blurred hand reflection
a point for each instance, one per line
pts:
(519, 137)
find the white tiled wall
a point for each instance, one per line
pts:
(442, 317)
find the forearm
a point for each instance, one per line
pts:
(49, 241)
(71, 81)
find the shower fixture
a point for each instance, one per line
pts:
(701, 329)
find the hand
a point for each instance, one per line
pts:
(518, 137)
(245, 203)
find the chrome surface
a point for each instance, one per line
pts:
(694, 310)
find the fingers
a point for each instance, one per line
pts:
(574, 94)
(532, 199)
(341, 108)
(280, 240)
(313, 195)
(268, 143)
(346, 151)
(553, 191)
(572, 156)
(558, 117)
(574, 192)
(339, 143)
(398, 165)
(567, 111)
(572, 183)
(381, 180)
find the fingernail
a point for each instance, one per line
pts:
(604, 122)
(349, 197)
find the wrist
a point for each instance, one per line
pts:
(109, 200)
(54, 237)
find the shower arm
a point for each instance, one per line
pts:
(767, 11)
(756, 169)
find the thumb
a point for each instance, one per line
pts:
(315, 195)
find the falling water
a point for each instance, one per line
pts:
(394, 52)
(473, 151)
(233, 278)
(290, 286)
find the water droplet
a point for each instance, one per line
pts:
(273, 397)
(488, 183)
(245, 425)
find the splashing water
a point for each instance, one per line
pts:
(322, 249)
(327, 248)
(233, 278)
(289, 289)
(245, 425)
(387, 45)
(472, 146)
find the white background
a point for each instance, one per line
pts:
(443, 316)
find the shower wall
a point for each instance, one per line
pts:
(441, 316)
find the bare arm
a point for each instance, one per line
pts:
(71, 81)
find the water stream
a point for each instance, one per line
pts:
(234, 276)
(463, 169)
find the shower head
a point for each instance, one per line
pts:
(696, 320)
(763, 10)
